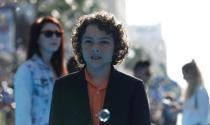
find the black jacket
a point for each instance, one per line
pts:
(125, 99)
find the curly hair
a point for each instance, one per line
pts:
(106, 22)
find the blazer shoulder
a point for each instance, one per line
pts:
(125, 78)
(72, 77)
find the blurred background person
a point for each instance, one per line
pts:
(6, 91)
(142, 70)
(163, 94)
(195, 108)
(34, 79)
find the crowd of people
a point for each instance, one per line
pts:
(164, 95)
(89, 89)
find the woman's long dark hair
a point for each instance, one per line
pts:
(57, 59)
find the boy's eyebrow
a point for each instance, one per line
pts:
(109, 38)
(104, 37)
(87, 37)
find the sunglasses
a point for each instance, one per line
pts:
(49, 33)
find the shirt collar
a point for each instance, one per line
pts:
(90, 81)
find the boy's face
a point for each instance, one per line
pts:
(97, 47)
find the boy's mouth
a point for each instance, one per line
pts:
(95, 57)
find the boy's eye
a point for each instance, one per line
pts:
(105, 42)
(88, 41)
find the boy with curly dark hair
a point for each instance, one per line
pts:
(98, 93)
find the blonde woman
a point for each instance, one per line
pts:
(195, 109)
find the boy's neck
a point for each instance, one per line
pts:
(99, 74)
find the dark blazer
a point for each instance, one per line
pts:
(125, 99)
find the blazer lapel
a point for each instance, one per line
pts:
(83, 92)
(110, 92)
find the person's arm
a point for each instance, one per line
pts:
(23, 96)
(140, 108)
(202, 105)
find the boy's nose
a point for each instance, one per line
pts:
(96, 49)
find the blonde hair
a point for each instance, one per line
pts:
(194, 77)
